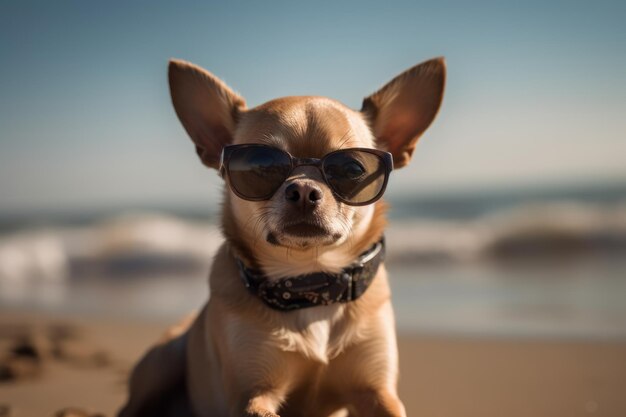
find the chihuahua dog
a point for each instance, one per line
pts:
(299, 321)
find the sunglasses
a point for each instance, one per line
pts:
(356, 176)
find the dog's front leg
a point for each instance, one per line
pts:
(263, 405)
(258, 389)
(376, 403)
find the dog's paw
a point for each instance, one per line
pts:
(260, 413)
(267, 414)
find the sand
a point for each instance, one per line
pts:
(441, 376)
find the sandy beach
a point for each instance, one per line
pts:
(440, 376)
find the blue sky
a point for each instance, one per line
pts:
(536, 91)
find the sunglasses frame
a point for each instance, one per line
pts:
(228, 150)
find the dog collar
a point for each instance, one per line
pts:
(317, 289)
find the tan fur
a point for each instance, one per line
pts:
(241, 358)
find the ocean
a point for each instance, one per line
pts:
(538, 263)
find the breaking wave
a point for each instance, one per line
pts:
(140, 243)
(152, 243)
(530, 232)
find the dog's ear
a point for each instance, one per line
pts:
(404, 108)
(206, 107)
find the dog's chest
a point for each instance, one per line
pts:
(318, 333)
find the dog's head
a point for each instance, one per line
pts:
(300, 211)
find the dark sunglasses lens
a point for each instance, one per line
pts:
(356, 176)
(257, 171)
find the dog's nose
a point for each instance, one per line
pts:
(305, 194)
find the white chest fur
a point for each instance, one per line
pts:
(318, 333)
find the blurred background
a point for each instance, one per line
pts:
(507, 241)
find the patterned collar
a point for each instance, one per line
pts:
(319, 288)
